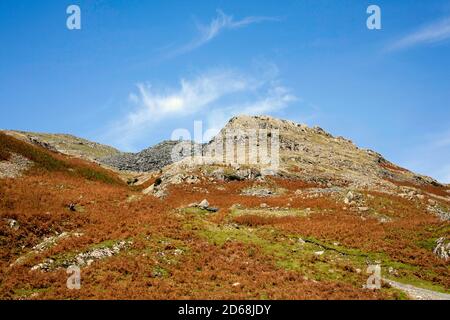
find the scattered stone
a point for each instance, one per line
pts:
(13, 224)
(439, 211)
(84, 258)
(87, 258)
(353, 198)
(44, 266)
(258, 192)
(46, 244)
(203, 204)
(319, 253)
(410, 193)
(384, 219)
(14, 166)
(349, 197)
(392, 271)
(442, 249)
(51, 241)
(177, 252)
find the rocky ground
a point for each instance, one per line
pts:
(150, 159)
(14, 166)
(200, 229)
(416, 293)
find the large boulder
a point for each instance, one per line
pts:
(442, 249)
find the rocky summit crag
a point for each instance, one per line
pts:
(308, 154)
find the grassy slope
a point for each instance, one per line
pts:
(52, 162)
(68, 144)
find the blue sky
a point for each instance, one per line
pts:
(137, 70)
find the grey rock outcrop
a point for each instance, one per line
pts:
(153, 158)
(442, 249)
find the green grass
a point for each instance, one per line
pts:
(74, 144)
(104, 244)
(42, 159)
(196, 211)
(286, 251)
(27, 292)
(270, 213)
(95, 175)
(333, 265)
(407, 271)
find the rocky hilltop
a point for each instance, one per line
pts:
(308, 154)
(318, 155)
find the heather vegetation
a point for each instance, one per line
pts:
(53, 162)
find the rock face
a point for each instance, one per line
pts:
(150, 159)
(322, 158)
(308, 154)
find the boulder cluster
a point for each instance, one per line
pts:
(151, 159)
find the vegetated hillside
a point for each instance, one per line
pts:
(66, 144)
(150, 159)
(43, 160)
(293, 235)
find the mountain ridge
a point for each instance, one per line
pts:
(156, 157)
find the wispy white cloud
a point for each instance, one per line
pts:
(217, 25)
(432, 33)
(276, 98)
(214, 96)
(191, 96)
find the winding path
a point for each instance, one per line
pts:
(418, 293)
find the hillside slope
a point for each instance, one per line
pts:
(66, 144)
(310, 230)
